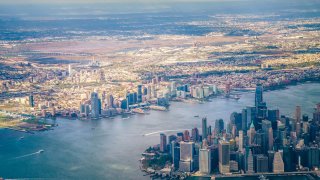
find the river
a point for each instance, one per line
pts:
(111, 148)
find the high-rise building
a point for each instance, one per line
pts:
(204, 128)
(186, 156)
(175, 154)
(195, 135)
(95, 105)
(205, 161)
(251, 134)
(258, 95)
(244, 120)
(261, 163)
(278, 165)
(163, 142)
(31, 101)
(139, 96)
(110, 101)
(186, 135)
(70, 70)
(298, 114)
(241, 141)
(219, 125)
(224, 157)
(250, 168)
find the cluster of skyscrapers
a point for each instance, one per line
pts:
(257, 140)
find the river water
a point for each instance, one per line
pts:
(111, 148)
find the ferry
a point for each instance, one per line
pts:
(138, 111)
(159, 108)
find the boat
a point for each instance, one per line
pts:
(159, 108)
(138, 111)
(41, 151)
(196, 116)
(22, 137)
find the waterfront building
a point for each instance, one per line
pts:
(205, 161)
(186, 156)
(250, 168)
(261, 163)
(163, 142)
(70, 70)
(110, 101)
(175, 154)
(224, 157)
(139, 95)
(95, 105)
(278, 165)
(204, 128)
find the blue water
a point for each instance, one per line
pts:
(111, 148)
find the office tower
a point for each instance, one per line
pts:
(180, 136)
(266, 125)
(209, 133)
(139, 96)
(145, 91)
(313, 157)
(69, 70)
(163, 142)
(95, 105)
(175, 154)
(244, 120)
(195, 135)
(316, 114)
(173, 88)
(31, 101)
(219, 125)
(204, 128)
(110, 101)
(82, 108)
(278, 165)
(172, 138)
(224, 157)
(234, 166)
(258, 95)
(99, 106)
(250, 169)
(87, 110)
(135, 97)
(273, 116)
(270, 160)
(186, 135)
(251, 115)
(251, 134)
(241, 141)
(270, 139)
(186, 156)
(205, 161)
(298, 114)
(153, 91)
(261, 163)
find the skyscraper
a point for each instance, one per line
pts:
(186, 135)
(258, 95)
(175, 154)
(31, 101)
(278, 165)
(186, 156)
(298, 114)
(224, 157)
(195, 134)
(139, 96)
(250, 169)
(241, 141)
(163, 142)
(205, 161)
(261, 163)
(204, 128)
(251, 133)
(94, 105)
(270, 139)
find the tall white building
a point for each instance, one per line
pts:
(205, 161)
(186, 156)
(241, 141)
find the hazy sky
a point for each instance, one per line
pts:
(99, 1)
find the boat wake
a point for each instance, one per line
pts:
(158, 132)
(31, 154)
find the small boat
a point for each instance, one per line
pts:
(196, 116)
(41, 151)
(22, 137)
